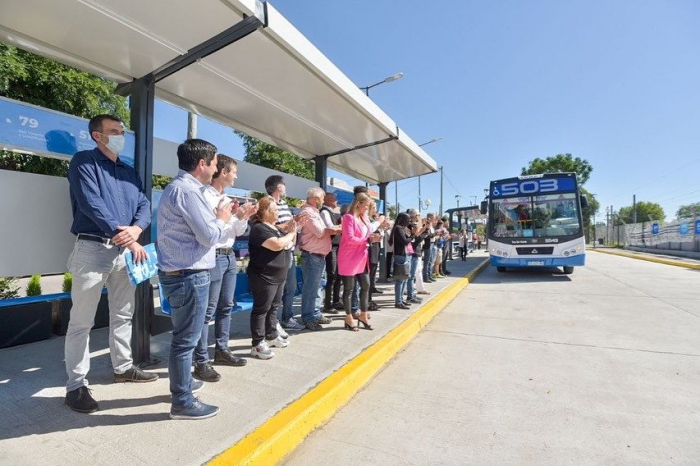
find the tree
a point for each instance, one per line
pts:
(267, 155)
(560, 163)
(391, 211)
(566, 163)
(8, 288)
(646, 211)
(31, 78)
(687, 211)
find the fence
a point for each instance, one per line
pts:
(679, 235)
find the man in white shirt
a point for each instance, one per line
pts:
(223, 276)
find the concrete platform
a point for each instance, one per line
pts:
(133, 425)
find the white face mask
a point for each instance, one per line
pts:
(116, 143)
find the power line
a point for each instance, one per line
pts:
(621, 196)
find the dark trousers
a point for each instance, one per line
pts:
(443, 265)
(372, 279)
(349, 286)
(333, 281)
(463, 252)
(389, 264)
(266, 299)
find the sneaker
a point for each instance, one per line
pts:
(373, 306)
(277, 343)
(206, 373)
(281, 332)
(227, 358)
(135, 374)
(338, 306)
(323, 320)
(424, 292)
(196, 410)
(415, 300)
(292, 324)
(262, 351)
(196, 385)
(313, 326)
(406, 303)
(81, 400)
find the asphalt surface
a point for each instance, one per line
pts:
(538, 368)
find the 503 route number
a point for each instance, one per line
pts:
(527, 187)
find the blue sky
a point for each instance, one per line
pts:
(503, 82)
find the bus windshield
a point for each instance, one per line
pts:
(551, 215)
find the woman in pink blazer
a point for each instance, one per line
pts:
(353, 258)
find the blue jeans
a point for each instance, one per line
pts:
(399, 285)
(290, 289)
(312, 267)
(188, 296)
(221, 290)
(433, 254)
(412, 277)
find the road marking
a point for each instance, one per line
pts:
(658, 260)
(283, 432)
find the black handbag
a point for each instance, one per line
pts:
(402, 271)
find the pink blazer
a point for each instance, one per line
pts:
(352, 253)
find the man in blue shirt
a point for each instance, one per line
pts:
(188, 232)
(109, 213)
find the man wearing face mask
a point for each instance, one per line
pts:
(109, 213)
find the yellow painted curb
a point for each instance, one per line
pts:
(649, 259)
(282, 433)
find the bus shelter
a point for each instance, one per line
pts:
(238, 62)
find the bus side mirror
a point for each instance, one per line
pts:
(484, 207)
(584, 202)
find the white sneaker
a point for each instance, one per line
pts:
(277, 343)
(281, 332)
(292, 325)
(262, 351)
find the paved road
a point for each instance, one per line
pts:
(599, 367)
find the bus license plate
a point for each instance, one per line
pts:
(535, 262)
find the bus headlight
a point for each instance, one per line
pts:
(573, 251)
(505, 254)
(566, 253)
(499, 252)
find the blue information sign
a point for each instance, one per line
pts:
(697, 227)
(683, 228)
(654, 228)
(38, 130)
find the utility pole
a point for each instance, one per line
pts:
(191, 125)
(420, 202)
(634, 208)
(441, 182)
(396, 196)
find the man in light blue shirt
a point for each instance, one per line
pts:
(188, 230)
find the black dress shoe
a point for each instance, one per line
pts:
(206, 373)
(227, 358)
(373, 306)
(376, 290)
(338, 306)
(81, 400)
(135, 374)
(401, 306)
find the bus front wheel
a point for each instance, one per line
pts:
(501, 269)
(568, 270)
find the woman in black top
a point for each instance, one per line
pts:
(400, 238)
(267, 272)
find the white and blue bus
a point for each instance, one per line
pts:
(536, 221)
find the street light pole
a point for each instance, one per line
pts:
(419, 198)
(389, 79)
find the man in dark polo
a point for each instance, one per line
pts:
(109, 213)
